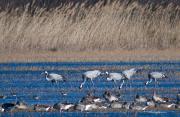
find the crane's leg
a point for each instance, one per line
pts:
(155, 88)
(121, 84)
(149, 81)
(92, 82)
(115, 84)
(155, 84)
(57, 85)
(84, 81)
(53, 82)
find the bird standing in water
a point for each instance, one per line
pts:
(52, 77)
(90, 75)
(155, 76)
(125, 75)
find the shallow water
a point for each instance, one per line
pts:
(23, 81)
(95, 114)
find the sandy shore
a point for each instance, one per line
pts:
(117, 55)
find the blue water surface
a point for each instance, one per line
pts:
(23, 81)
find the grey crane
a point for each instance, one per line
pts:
(154, 76)
(90, 75)
(125, 75)
(53, 77)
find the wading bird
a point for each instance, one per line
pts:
(125, 75)
(54, 77)
(90, 75)
(116, 77)
(155, 76)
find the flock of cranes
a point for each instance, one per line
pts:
(113, 76)
(108, 101)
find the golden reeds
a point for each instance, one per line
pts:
(77, 27)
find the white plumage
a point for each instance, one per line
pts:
(90, 75)
(54, 77)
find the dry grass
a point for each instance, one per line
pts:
(115, 25)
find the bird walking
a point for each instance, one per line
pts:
(125, 75)
(116, 77)
(90, 75)
(154, 76)
(52, 77)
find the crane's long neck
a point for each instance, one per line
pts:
(125, 76)
(46, 75)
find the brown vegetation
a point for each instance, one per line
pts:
(113, 55)
(74, 26)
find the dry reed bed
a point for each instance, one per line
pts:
(111, 26)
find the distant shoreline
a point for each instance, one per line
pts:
(94, 56)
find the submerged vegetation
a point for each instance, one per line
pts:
(83, 25)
